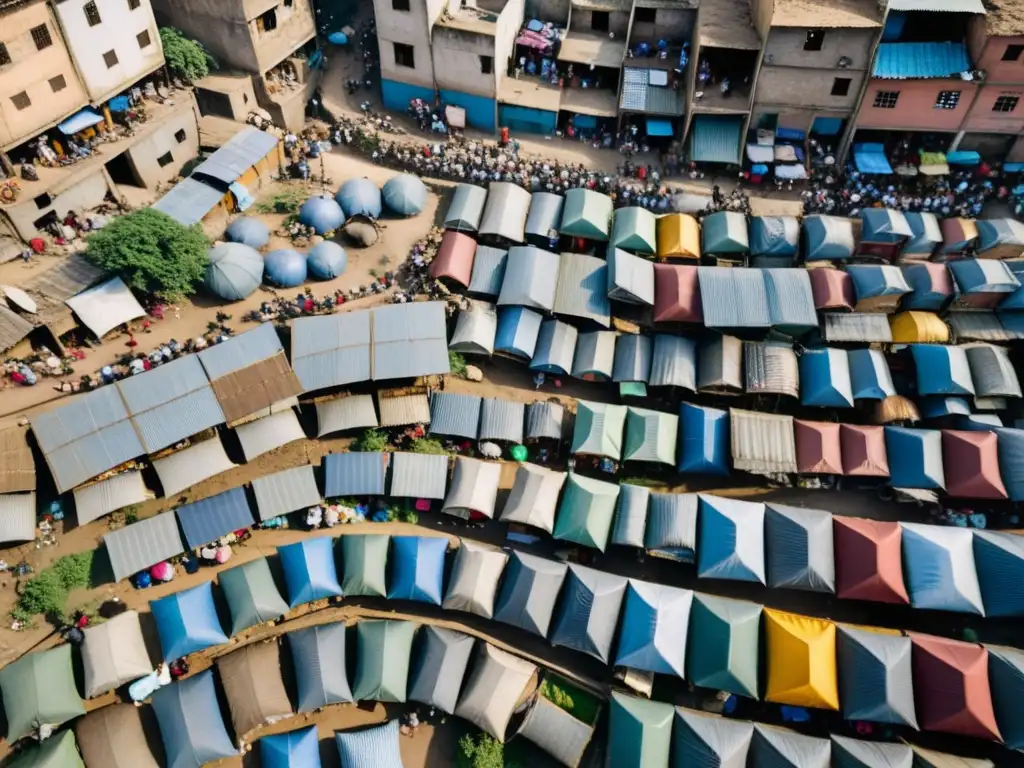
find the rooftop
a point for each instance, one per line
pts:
(590, 101)
(834, 14)
(727, 24)
(599, 50)
(470, 19)
(531, 93)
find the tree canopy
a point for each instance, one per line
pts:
(186, 58)
(151, 252)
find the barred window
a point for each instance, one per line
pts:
(886, 99)
(947, 100)
(1005, 104)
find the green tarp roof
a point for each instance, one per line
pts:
(383, 654)
(252, 595)
(585, 515)
(725, 232)
(650, 436)
(723, 644)
(634, 229)
(639, 732)
(716, 139)
(58, 751)
(586, 214)
(39, 689)
(598, 429)
(364, 561)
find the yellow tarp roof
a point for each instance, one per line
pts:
(801, 660)
(678, 237)
(918, 327)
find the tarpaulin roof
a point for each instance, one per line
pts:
(17, 517)
(319, 658)
(409, 340)
(355, 474)
(474, 580)
(925, 234)
(1006, 677)
(493, 689)
(114, 653)
(439, 668)
(673, 362)
(544, 419)
(630, 278)
(191, 726)
(915, 457)
(939, 567)
(1011, 461)
(295, 749)
(884, 225)
(105, 496)
(586, 512)
(488, 270)
(466, 209)
(582, 289)
(529, 591)
(971, 462)
(992, 372)
(113, 736)
(556, 732)
(774, 236)
(650, 436)
(678, 236)
(177, 471)
(762, 442)
(143, 544)
(875, 681)
(854, 753)
(723, 644)
(774, 747)
(878, 287)
(251, 594)
(639, 731)
(505, 212)
(633, 358)
(857, 327)
(868, 560)
(827, 238)
(309, 570)
(383, 651)
(108, 305)
(677, 294)
(474, 488)
(798, 542)
(595, 355)
(269, 432)
(731, 544)
(801, 660)
(419, 475)
(863, 450)
(364, 563)
(213, 517)
(918, 327)
(586, 213)
(375, 747)
(556, 347)
(405, 194)
(241, 152)
(501, 420)
(818, 447)
(931, 286)
(633, 229)
(599, 429)
(517, 332)
(454, 258)
(724, 232)
(870, 378)
(39, 689)
(545, 215)
(187, 621)
(531, 278)
(951, 687)
(929, 758)
(999, 560)
(417, 571)
(188, 201)
(671, 526)
(974, 276)
(831, 288)
(733, 297)
(56, 752)
(454, 415)
(475, 330)
(253, 686)
(631, 515)
(589, 611)
(995, 233)
(534, 497)
(825, 378)
(654, 628)
(286, 491)
(703, 440)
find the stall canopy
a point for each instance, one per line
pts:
(931, 286)
(918, 327)
(1006, 677)
(818, 447)
(940, 571)
(650, 436)
(925, 235)
(143, 544)
(191, 726)
(633, 358)
(798, 541)
(599, 429)
(114, 653)
(992, 372)
(531, 279)
(942, 370)
(869, 374)
(999, 559)
(863, 450)
(589, 611)
(678, 237)
(868, 560)
(355, 474)
(534, 497)
(504, 213)
(474, 488)
(915, 457)
(517, 332)
(875, 676)
(295, 749)
(827, 238)
(436, 673)
(586, 214)
(1000, 238)
(971, 462)
(677, 294)
(417, 568)
(630, 278)
(854, 753)
(731, 544)
(586, 512)
(382, 652)
(377, 746)
(102, 497)
(951, 687)
(716, 139)
(474, 581)
(419, 475)
(774, 236)
(466, 208)
(639, 731)
(870, 158)
(545, 215)
(673, 362)
(595, 356)
(488, 271)
(309, 570)
(825, 378)
(704, 739)
(39, 689)
(634, 230)
(364, 562)
(557, 732)
(454, 259)
(544, 420)
(832, 289)
(252, 682)
(783, 748)
(631, 515)
(556, 347)
(982, 283)
(884, 225)
(720, 365)
(475, 330)
(762, 442)
(801, 660)
(703, 440)
(105, 307)
(724, 637)
(724, 232)
(582, 290)
(654, 628)
(111, 736)
(493, 690)
(359, 197)
(208, 519)
(178, 471)
(877, 287)
(454, 415)
(529, 591)
(671, 528)
(319, 658)
(187, 621)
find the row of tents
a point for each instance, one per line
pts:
(505, 213)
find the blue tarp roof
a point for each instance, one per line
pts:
(938, 565)
(873, 280)
(209, 519)
(884, 225)
(659, 127)
(1016, 299)
(417, 568)
(191, 726)
(983, 276)
(925, 233)
(937, 406)
(995, 232)
(774, 236)
(355, 474)
(654, 628)
(296, 749)
(1006, 676)
(309, 570)
(375, 747)
(187, 621)
(870, 158)
(927, 293)
(825, 378)
(589, 611)
(79, 121)
(870, 378)
(903, 61)
(703, 440)
(999, 560)
(827, 238)
(942, 370)
(518, 329)
(731, 543)
(1011, 461)
(915, 457)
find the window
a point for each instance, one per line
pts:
(886, 99)
(814, 40)
(143, 38)
(841, 86)
(5, 57)
(110, 59)
(599, 20)
(267, 22)
(41, 37)
(21, 100)
(58, 83)
(133, 4)
(1005, 104)
(1013, 52)
(646, 15)
(92, 14)
(487, 64)
(400, 5)
(165, 159)
(947, 99)
(404, 56)
(180, 137)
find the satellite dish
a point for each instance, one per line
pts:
(19, 298)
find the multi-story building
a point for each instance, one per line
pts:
(404, 32)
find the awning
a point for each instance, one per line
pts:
(294, 749)
(801, 661)
(784, 748)
(762, 443)
(942, 370)
(825, 378)
(586, 214)
(655, 621)
(518, 329)
(931, 285)
(187, 621)
(474, 580)
(105, 496)
(112, 736)
(475, 330)
(319, 657)
(207, 520)
(939, 567)
(774, 236)
(188, 467)
(105, 307)
(725, 232)
(79, 121)
(599, 429)
(454, 258)
(659, 127)
(504, 214)
(731, 543)
(419, 475)
(870, 158)
(827, 238)
(355, 474)
(650, 436)
(677, 294)
(474, 488)
(253, 685)
(376, 746)
(251, 594)
(671, 526)
(417, 568)
(716, 139)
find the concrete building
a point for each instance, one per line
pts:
(404, 33)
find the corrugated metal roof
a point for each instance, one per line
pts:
(454, 415)
(674, 362)
(344, 413)
(531, 278)
(242, 151)
(410, 340)
(17, 517)
(630, 278)
(262, 435)
(287, 491)
(545, 214)
(408, 409)
(762, 443)
(419, 475)
(856, 327)
(240, 351)
(103, 308)
(70, 276)
(734, 298)
(186, 468)
(582, 289)
(638, 95)
(992, 371)
(331, 350)
(488, 270)
(556, 347)
(466, 208)
(475, 330)
(902, 61)
(595, 355)
(355, 474)
(501, 420)
(17, 466)
(189, 201)
(142, 544)
(99, 499)
(544, 419)
(716, 139)
(505, 212)
(13, 328)
(207, 520)
(790, 299)
(980, 326)
(518, 329)
(771, 368)
(633, 356)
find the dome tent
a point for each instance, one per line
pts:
(361, 233)
(326, 260)
(235, 271)
(359, 197)
(285, 268)
(248, 231)
(405, 194)
(322, 214)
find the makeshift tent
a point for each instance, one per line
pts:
(854, 753)
(771, 368)
(364, 563)
(633, 355)
(439, 667)
(777, 237)
(818, 447)
(630, 278)
(111, 736)
(677, 296)
(633, 229)
(234, 271)
(762, 442)
(417, 568)
(285, 268)
(631, 515)
(939, 567)
(774, 747)
(703, 440)
(825, 378)
(39, 689)
(249, 231)
(191, 726)
(678, 237)
(704, 739)
(928, 758)
(501, 420)
(187, 621)
(382, 652)
(971, 462)
(586, 214)
(654, 628)
(355, 474)
(832, 289)
(466, 208)
(992, 372)
(177, 472)
(493, 690)
(951, 687)
(474, 580)
(801, 660)
(359, 197)
(650, 436)
(1000, 238)
(295, 749)
(598, 430)
(544, 420)
(589, 611)
(673, 362)
(544, 217)
(982, 283)
(488, 270)
(419, 475)
(918, 327)
(724, 233)
(723, 643)
(863, 450)
(999, 559)
(319, 660)
(875, 682)
(269, 432)
(475, 330)
(56, 752)
(883, 227)
(326, 260)
(870, 378)
(531, 278)
(586, 512)
(404, 194)
(517, 332)
(534, 497)
(529, 591)
(878, 287)
(505, 212)
(798, 542)
(639, 732)
(556, 732)
(106, 306)
(931, 287)
(731, 544)
(208, 519)
(925, 236)
(143, 544)
(942, 370)
(322, 214)
(253, 686)
(309, 570)
(868, 560)
(454, 259)
(582, 288)
(114, 653)
(377, 746)
(1006, 677)
(556, 345)
(595, 356)
(915, 457)
(671, 529)
(827, 238)
(286, 491)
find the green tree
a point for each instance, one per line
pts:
(484, 751)
(47, 592)
(457, 363)
(427, 445)
(151, 252)
(186, 58)
(372, 441)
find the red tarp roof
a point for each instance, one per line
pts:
(939, 276)
(863, 451)
(677, 294)
(971, 462)
(869, 565)
(831, 288)
(818, 450)
(454, 258)
(951, 687)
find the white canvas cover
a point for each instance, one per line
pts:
(493, 689)
(108, 305)
(653, 632)
(474, 488)
(798, 545)
(938, 564)
(474, 580)
(534, 497)
(191, 466)
(855, 753)
(779, 747)
(114, 653)
(708, 740)
(98, 499)
(270, 432)
(344, 413)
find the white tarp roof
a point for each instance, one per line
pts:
(762, 443)
(102, 498)
(286, 491)
(192, 465)
(108, 305)
(114, 653)
(17, 517)
(353, 412)
(534, 497)
(270, 432)
(474, 580)
(474, 488)
(493, 689)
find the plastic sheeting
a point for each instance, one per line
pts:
(466, 208)
(474, 580)
(187, 621)
(832, 289)
(818, 447)
(321, 213)
(875, 676)
(359, 197)
(724, 637)
(731, 544)
(191, 725)
(417, 571)
(375, 747)
(39, 689)
(677, 294)
(295, 749)
(939, 568)
(630, 278)
(915, 457)
(654, 627)
(702, 739)
(639, 732)
(493, 689)
(326, 260)
(863, 450)
(776, 236)
(404, 194)
(1006, 677)
(309, 570)
(437, 672)
(942, 370)
(633, 229)
(251, 594)
(931, 287)
(868, 557)
(827, 238)
(234, 271)
(529, 591)
(105, 307)
(589, 611)
(774, 747)
(253, 686)
(671, 528)
(799, 548)
(112, 737)
(114, 653)
(762, 442)
(586, 512)
(869, 374)
(724, 233)
(599, 429)
(364, 562)
(853, 753)
(383, 651)
(474, 488)
(319, 659)
(971, 462)
(999, 560)
(534, 497)
(801, 660)
(650, 436)
(825, 378)
(586, 214)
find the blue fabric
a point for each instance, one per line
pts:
(248, 231)
(1013, 167)
(326, 260)
(659, 127)
(789, 134)
(243, 197)
(931, 575)
(878, 225)
(417, 568)
(895, 21)
(359, 197)
(480, 110)
(870, 158)
(371, 748)
(323, 214)
(585, 122)
(938, 372)
(774, 236)
(703, 440)
(309, 570)
(297, 749)
(922, 295)
(827, 126)
(209, 519)
(983, 276)
(936, 407)
(79, 121)
(285, 268)
(871, 281)
(191, 726)
(728, 529)
(825, 379)
(919, 60)
(187, 621)
(915, 457)
(865, 380)
(963, 157)
(119, 104)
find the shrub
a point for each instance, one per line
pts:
(372, 440)
(457, 363)
(557, 696)
(47, 592)
(483, 751)
(427, 445)
(186, 58)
